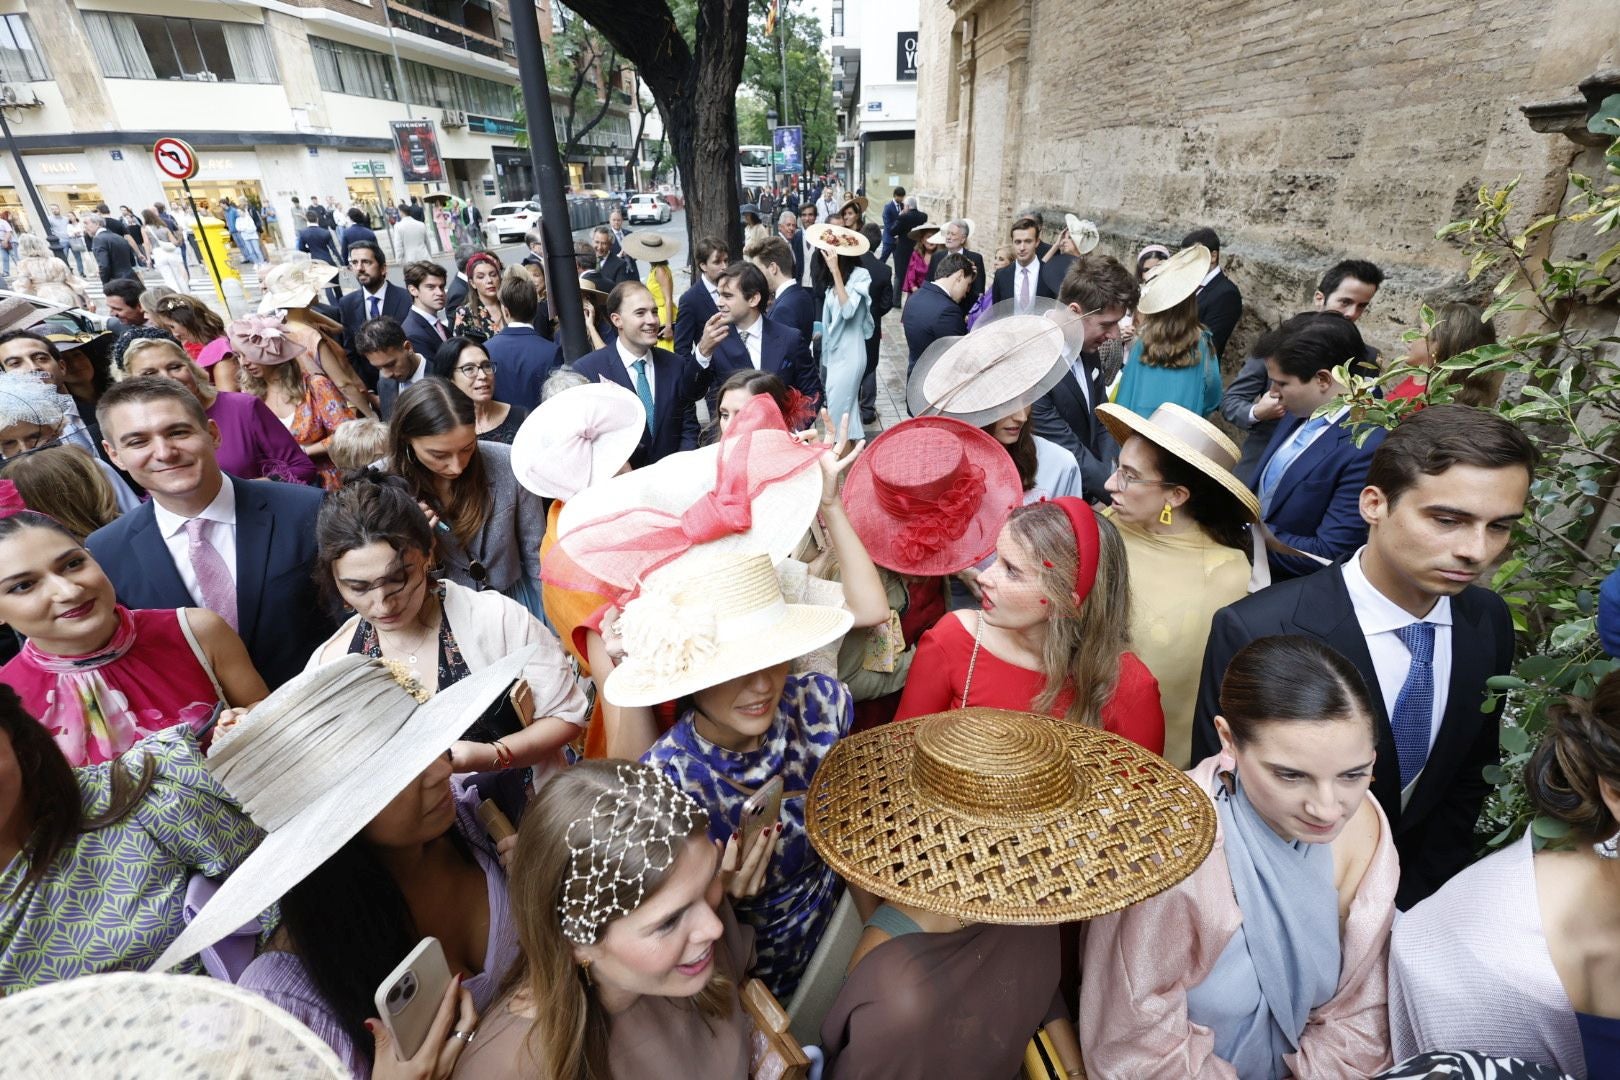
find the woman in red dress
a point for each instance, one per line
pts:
(1052, 635)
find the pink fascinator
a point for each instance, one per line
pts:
(262, 339)
(11, 500)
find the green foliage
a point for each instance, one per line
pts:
(579, 63)
(809, 78)
(1562, 383)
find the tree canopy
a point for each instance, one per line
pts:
(809, 76)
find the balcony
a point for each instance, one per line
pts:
(438, 27)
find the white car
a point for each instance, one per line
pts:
(510, 221)
(648, 209)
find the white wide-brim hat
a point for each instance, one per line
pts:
(835, 238)
(1173, 280)
(577, 438)
(720, 617)
(1006, 363)
(315, 761)
(1083, 233)
(130, 1025)
(295, 283)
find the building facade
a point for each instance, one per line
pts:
(281, 100)
(874, 61)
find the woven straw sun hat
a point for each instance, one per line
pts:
(1084, 233)
(132, 1026)
(836, 239)
(576, 438)
(720, 617)
(17, 313)
(1173, 280)
(649, 246)
(1007, 362)
(995, 816)
(589, 287)
(929, 495)
(295, 283)
(923, 231)
(1184, 434)
(315, 761)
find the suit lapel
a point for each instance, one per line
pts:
(1285, 430)
(771, 353)
(254, 525)
(152, 555)
(1325, 446)
(666, 376)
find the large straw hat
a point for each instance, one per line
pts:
(722, 617)
(994, 816)
(295, 283)
(836, 239)
(649, 246)
(1173, 280)
(131, 1026)
(1184, 434)
(1007, 362)
(17, 313)
(858, 202)
(930, 495)
(315, 761)
(577, 438)
(923, 231)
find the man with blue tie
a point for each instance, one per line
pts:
(376, 296)
(1441, 498)
(738, 337)
(634, 361)
(1310, 478)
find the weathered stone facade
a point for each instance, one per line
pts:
(1303, 133)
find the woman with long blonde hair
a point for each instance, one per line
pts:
(1172, 359)
(309, 405)
(64, 482)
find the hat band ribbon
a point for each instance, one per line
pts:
(1198, 441)
(1083, 520)
(932, 523)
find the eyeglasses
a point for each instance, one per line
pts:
(1126, 480)
(467, 371)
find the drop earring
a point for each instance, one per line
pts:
(585, 970)
(1166, 516)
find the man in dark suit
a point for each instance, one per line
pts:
(1022, 280)
(455, 293)
(891, 217)
(114, 257)
(356, 231)
(376, 296)
(955, 238)
(787, 229)
(523, 358)
(424, 324)
(616, 227)
(1440, 501)
(1220, 304)
(904, 245)
(655, 375)
(244, 549)
(882, 296)
(790, 304)
(1248, 404)
(738, 337)
(935, 309)
(315, 239)
(383, 343)
(611, 267)
(699, 303)
(1310, 478)
(1100, 291)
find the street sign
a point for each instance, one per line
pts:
(175, 158)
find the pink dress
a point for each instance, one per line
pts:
(916, 272)
(147, 678)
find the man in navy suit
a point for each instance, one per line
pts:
(656, 375)
(245, 549)
(787, 229)
(424, 324)
(1022, 280)
(700, 302)
(1220, 304)
(891, 215)
(612, 267)
(791, 304)
(383, 343)
(882, 303)
(738, 337)
(376, 296)
(935, 309)
(523, 359)
(954, 240)
(1310, 478)
(1441, 497)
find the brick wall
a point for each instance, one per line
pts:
(1302, 132)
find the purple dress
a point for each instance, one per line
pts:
(254, 445)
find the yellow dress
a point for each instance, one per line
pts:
(1178, 582)
(666, 316)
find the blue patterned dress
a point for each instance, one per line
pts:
(801, 891)
(114, 897)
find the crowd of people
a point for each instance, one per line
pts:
(495, 716)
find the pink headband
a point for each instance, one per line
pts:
(1083, 520)
(11, 500)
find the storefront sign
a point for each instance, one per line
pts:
(368, 168)
(418, 149)
(905, 57)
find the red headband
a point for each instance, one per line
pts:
(1083, 520)
(11, 500)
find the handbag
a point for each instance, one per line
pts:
(773, 1052)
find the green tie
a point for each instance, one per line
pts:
(644, 391)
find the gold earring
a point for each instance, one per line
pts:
(585, 970)
(1166, 517)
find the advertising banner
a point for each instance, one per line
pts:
(787, 146)
(418, 149)
(905, 57)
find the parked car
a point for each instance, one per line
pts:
(648, 209)
(510, 221)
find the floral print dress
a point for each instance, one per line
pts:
(315, 419)
(800, 892)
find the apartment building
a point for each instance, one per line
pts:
(873, 47)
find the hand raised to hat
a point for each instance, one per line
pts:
(1057, 245)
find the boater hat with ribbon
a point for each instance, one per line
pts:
(1183, 434)
(930, 495)
(1007, 362)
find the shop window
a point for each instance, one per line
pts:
(198, 50)
(20, 61)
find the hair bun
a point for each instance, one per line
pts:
(1580, 748)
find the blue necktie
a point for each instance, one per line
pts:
(644, 391)
(376, 305)
(1285, 456)
(1413, 718)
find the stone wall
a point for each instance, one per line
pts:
(1302, 133)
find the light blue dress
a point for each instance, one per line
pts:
(844, 330)
(1197, 388)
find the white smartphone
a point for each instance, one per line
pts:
(409, 997)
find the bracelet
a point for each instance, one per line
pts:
(503, 756)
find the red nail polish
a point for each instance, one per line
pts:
(371, 1027)
(1043, 599)
(1046, 563)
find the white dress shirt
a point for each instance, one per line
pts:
(629, 360)
(751, 338)
(220, 532)
(418, 375)
(1209, 277)
(1077, 367)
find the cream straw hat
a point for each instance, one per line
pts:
(1173, 280)
(1183, 434)
(1007, 362)
(295, 283)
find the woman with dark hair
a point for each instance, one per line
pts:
(1520, 953)
(1184, 517)
(741, 387)
(465, 363)
(482, 316)
(489, 526)
(1269, 961)
(846, 319)
(95, 863)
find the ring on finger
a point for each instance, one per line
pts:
(464, 1036)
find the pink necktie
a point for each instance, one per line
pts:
(213, 576)
(1023, 288)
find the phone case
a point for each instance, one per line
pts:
(762, 810)
(409, 997)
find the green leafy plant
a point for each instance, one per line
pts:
(1560, 379)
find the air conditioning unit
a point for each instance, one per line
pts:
(455, 118)
(13, 96)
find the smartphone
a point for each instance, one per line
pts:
(409, 997)
(760, 812)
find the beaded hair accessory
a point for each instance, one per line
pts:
(598, 889)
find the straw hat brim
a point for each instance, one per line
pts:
(919, 232)
(186, 1026)
(1007, 362)
(649, 247)
(1122, 423)
(825, 236)
(1174, 280)
(1138, 827)
(586, 285)
(620, 420)
(292, 852)
(802, 629)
